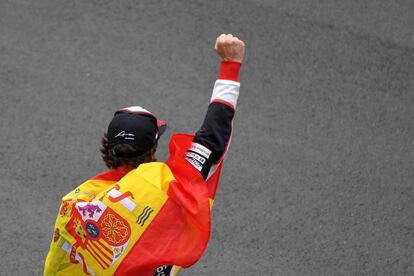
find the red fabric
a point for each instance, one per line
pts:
(180, 231)
(229, 70)
(113, 174)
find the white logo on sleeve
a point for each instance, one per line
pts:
(200, 149)
(125, 135)
(197, 155)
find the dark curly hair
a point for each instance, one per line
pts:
(125, 155)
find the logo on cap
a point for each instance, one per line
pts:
(125, 135)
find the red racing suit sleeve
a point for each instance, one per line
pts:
(211, 141)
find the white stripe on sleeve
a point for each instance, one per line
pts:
(226, 90)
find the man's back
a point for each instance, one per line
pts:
(132, 222)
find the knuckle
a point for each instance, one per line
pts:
(222, 42)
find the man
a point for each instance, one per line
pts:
(143, 217)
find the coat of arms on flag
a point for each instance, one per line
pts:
(101, 233)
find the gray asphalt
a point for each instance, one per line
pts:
(320, 174)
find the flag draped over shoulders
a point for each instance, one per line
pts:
(131, 222)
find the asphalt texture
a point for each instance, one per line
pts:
(319, 177)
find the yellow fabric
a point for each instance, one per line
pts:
(147, 184)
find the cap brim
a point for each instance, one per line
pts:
(162, 126)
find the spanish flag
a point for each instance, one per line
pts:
(151, 220)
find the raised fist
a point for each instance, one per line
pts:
(230, 48)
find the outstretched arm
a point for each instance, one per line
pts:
(211, 141)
